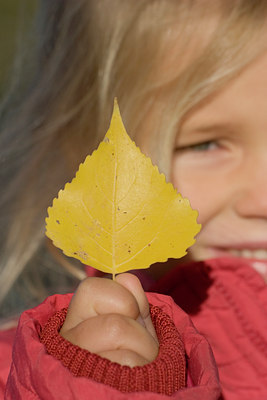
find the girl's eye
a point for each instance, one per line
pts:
(204, 146)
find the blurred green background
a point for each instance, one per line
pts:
(16, 17)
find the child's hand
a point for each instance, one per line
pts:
(112, 319)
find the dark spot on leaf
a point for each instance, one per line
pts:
(124, 212)
(82, 254)
(129, 251)
(112, 154)
(118, 208)
(57, 221)
(149, 244)
(144, 218)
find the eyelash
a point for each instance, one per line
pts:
(199, 147)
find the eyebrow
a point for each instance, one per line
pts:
(218, 127)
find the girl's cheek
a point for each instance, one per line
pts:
(205, 190)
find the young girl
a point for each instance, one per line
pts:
(191, 81)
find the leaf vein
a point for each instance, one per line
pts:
(131, 220)
(128, 190)
(151, 241)
(92, 218)
(98, 182)
(114, 206)
(63, 235)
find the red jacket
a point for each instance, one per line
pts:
(227, 301)
(35, 374)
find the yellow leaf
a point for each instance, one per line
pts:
(118, 213)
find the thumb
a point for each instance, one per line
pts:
(132, 283)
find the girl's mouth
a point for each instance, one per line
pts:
(257, 257)
(255, 254)
(249, 251)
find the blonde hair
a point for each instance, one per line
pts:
(161, 58)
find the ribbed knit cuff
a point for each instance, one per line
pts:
(165, 375)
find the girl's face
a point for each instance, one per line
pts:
(220, 164)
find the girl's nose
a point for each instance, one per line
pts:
(251, 193)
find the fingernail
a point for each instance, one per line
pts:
(140, 320)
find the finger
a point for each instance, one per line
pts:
(132, 283)
(124, 357)
(113, 332)
(97, 296)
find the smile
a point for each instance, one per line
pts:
(260, 254)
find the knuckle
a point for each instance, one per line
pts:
(130, 306)
(115, 325)
(85, 285)
(132, 359)
(86, 289)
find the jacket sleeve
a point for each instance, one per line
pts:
(36, 374)
(165, 375)
(6, 343)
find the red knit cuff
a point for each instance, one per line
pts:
(165, 375)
